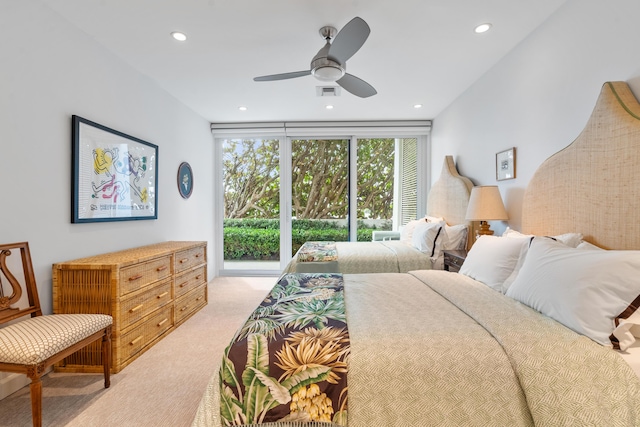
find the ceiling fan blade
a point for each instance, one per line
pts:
(348, 40)
(282, 76)
(356, 86)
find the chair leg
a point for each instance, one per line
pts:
(35, 373)
(106, 357)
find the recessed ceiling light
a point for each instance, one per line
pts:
(417, 106)
(482, 28)
(179, 36)
(329, 107)
(242, 108)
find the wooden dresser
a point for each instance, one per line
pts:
(149, 291)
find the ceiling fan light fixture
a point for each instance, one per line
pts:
(328, 73)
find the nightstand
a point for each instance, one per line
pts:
(453, 260)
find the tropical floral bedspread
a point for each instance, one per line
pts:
(317, 252)
(288, 363)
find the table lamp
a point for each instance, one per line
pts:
(485, 204)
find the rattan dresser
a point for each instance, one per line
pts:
(149, 291)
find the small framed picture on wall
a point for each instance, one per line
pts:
(506, 164)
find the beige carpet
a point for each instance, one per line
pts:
(161, 388)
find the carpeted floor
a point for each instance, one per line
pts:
(163, 386)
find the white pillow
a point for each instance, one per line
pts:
(589, 246)
(456, 237)
(570, 239)
(406, 232)
(586, 290)
(492, 259)
(425, 237)
(433, 218)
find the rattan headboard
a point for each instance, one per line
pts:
(593, 185)
(449, 195)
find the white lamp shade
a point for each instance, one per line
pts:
(485, 204)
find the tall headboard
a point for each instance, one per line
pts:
(593, 185)
(449, 195)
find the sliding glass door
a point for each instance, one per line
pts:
(277, 193)
(319, 190)
(251, 224)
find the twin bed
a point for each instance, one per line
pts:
(522, 336)
(420, 244)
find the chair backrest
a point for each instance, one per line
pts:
(9, 283)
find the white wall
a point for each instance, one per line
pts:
(51, 70)
(539, 97)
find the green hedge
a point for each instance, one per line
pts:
(249, 239)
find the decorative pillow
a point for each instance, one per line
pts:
(456, 237)
(492, 259)
(425, 237)
(585, 290)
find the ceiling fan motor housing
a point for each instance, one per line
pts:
(325, 69)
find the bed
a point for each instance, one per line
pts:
(435, 348)
(418, 246)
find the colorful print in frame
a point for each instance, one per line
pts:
(115, 175)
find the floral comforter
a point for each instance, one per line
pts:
(433, 348)
(289, 360)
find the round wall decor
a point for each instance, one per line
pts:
(185, 180)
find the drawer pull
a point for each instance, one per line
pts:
(136, 277)
(182, 285)
(198, 255)
(164, 294)
(136, 308)
(182, 261)
(198, 277)
(198, 299)
(184, 308)
(163, 322)
(161, 268)
(136, 341)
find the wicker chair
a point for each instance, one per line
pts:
(33, 344)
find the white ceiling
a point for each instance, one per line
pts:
(419, 51)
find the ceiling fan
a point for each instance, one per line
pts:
(330, 63)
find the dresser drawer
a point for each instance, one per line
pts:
(189, 281)
(136, 339)
(140, 304)
(190, 302)
(189, 258)
(140, 275)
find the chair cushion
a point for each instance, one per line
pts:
(34, 340)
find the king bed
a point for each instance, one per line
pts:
(417, 246)
(526, 334)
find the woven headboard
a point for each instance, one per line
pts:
(593, 185)
(449, 195)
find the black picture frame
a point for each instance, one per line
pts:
(114, 176)
(185, 180)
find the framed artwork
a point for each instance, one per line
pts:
(114, 177)
(506, 164)
(185, 180)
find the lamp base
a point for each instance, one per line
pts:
(484, 230)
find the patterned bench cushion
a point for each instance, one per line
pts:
(34, 340)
